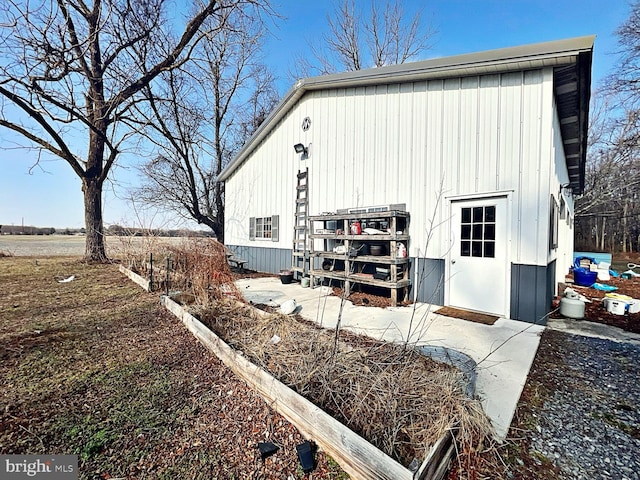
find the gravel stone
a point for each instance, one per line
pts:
(590, 425)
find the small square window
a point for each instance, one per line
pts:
(490, 214)
(466, 215)
(490, 249)
(478, 231)
(478, 214)
(263, 227)
(465, 249)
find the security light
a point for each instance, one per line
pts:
(300, 148)
(566, 188)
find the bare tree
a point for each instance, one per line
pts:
(358, 39)
(608, 214)
(202, 114)
(73, 69)
(624, 81)
(609, 210)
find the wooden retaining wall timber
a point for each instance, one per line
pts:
(143, 282)
(356, 456)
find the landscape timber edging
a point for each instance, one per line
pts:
(143, 282)
(359, 458)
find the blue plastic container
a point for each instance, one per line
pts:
(584, 277)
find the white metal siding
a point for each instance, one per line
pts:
(395, 143)
(560, 176)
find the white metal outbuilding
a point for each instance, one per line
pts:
(502, 133)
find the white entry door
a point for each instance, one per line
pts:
(478, 270)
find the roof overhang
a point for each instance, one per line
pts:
(570, 59)
(572, 88)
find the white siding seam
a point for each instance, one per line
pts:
(521, 168)
(442, 103)
(478, 121)
(498, 123)
(459, 172)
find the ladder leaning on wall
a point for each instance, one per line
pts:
(300, 252)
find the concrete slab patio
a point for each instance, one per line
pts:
(503, 351)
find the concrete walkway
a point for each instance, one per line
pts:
(504, 351)
(592, 329)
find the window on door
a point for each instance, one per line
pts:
(478, 232)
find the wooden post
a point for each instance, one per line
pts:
(151, 272)
(166, 282)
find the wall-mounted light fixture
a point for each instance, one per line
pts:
(566, 188)
(300, 148)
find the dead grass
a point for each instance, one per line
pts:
(394, 397)
(199, 266)
(96, 367)
(397, 399)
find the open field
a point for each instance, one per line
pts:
(96, 367)
(72, 245)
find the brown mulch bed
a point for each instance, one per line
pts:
(366, 299)
(596, 312)
(240, 274)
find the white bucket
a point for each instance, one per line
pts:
(634, 306)
(617, 307)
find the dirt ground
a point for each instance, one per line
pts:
(596, 311)
(95, 367)
(89, 377)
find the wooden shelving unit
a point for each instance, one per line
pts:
(357, 265)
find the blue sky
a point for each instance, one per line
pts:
(50, 195)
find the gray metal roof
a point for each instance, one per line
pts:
(571, 60)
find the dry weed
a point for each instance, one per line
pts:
(196, 265)
(396, 398)
(399, 400)
(199, 265)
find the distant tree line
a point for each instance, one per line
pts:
(120, 231)
(26, 230)
(608, 214)
(116, 230)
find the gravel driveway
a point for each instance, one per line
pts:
(589, 422)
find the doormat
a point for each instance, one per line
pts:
(468, 315)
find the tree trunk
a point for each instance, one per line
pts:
(219, 201)
(625, 210)
(94, 246)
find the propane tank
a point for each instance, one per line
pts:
(571, 305)
(356, 229)
(572, 308)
